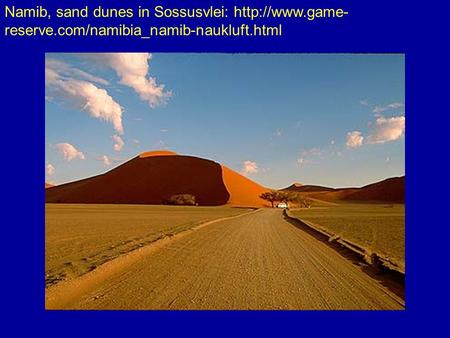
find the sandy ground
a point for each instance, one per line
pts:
(254, 261)
(80, 238)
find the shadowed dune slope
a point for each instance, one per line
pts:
(148, 179)
(333, 195)
(297, 187)
(243, 191)
(391, 190)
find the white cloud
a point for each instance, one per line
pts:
(354, 139)
(96, 101)
(394, 105)
(118, 143)
(386, 129)
(69, 152)
(50, 169)
(301, 161)
(249, 167)
(106, 161)
(309, 156)
(133, 68)
(160, 144)
(51, 76)
(364, 102)
(67, 71)
(85, 96)
(381, 131)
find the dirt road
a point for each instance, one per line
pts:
(255, 261)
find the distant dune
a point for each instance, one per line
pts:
(297, 187)
(391, 190)
(152, 177)
(48, 185)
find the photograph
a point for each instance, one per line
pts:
(224, 181)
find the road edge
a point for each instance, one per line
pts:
(355, 251)
(67, 292)
(370, 257)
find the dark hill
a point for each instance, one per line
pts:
(306, 188)
(391, 190)
(388, 190)
(148, 180)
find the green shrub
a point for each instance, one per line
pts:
(181, 199)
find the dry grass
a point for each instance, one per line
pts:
(81, 237)
(377, 227)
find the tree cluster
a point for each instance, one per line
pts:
(278, 196)
(182, 199)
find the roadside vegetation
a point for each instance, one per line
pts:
(377, 227)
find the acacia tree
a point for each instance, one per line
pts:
(271, 196)
(286, 197)
(306, 203)
(302, 201)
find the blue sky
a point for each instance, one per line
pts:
(335, 120)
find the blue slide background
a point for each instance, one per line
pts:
(380, 26)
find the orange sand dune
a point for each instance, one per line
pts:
(148, 180)
(157, 153)
(243, 191)
(154, 176)
(48, 185)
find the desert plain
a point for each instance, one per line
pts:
(229, 251)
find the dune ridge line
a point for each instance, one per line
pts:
(66, 292)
